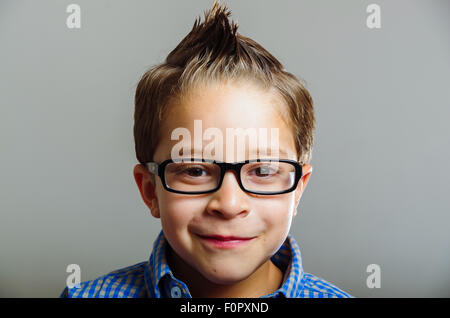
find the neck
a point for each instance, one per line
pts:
(265, 280)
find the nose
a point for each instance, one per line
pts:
(229, 200)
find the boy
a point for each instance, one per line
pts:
(225, 220)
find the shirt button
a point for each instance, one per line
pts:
(175, 292)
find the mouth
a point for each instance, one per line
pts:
(225, 242)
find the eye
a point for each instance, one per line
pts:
(264, 171)
(194, 172)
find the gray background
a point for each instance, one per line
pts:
(379, 189)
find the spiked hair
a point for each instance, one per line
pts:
(212, 51)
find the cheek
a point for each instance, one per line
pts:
(177, 211)
(277, 212)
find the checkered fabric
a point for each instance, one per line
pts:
(153, 278)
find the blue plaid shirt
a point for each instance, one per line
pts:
(154, 278)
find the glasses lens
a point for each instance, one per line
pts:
(192, 176)
(270, 176)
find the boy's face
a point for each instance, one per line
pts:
(229, 211)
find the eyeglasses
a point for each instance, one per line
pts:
(199, 176)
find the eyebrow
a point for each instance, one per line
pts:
(268, 150)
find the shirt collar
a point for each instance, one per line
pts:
(287, 258)
(158, 267)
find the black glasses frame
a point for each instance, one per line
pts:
(159, 169)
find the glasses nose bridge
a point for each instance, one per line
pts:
(236, 167)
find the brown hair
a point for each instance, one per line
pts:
(214, 50)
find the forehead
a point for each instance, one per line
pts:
(229, 99)
(229, 106)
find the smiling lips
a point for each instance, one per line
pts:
(220, 241)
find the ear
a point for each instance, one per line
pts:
(146, 184)
(303, 182)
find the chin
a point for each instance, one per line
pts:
(224, 276)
